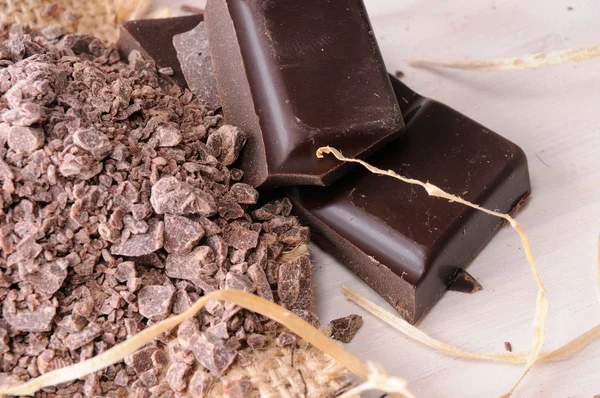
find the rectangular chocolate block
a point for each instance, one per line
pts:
(297, 75)
(406, 245)
(154, 39)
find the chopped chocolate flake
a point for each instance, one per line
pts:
(226, 144)
(285, 339)
(239, 282)
(141, 360)
(238, 388)
(243, 194)
(192, 266)
(87, 335)
(259, 278)
(219, 330)
(240, 237)
(155, 302)
(176, 376)
(294, 284)
(169, 195)
(255, 340)
(181, 233)
(344, 329)
(25, 140)
(508, 346)
(38, 320)
(199, 384)
(142, 244)
(212, 353)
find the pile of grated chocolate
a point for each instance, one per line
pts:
(119, 209)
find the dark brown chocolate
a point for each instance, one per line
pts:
(403, 243)
(154, 39)
(297, 75)
(464, 282)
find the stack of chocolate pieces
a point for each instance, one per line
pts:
(296, 76)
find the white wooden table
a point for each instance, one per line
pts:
(553, 113)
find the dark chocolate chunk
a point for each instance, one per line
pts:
(176, 376)
(39, 320)
(196, 64)
(465, 283)
(403, 243)
(344, 329)
(142, 244)
(293, 93)
(154, 39)
(508, 346)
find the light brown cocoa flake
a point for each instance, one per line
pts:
(142, 244)
(212, 353)
(181, 233)
(154, 302)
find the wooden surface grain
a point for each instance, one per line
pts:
(553, 113)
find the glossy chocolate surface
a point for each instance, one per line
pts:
(406, 245)
(297, 75)
(154, 39)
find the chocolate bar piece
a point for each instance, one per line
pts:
(405, 244)
(297, 75)
(154, 39)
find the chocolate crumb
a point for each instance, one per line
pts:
(344, 329)
(508, 346)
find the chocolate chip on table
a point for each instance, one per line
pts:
(344, 329)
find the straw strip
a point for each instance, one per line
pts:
(529, 61)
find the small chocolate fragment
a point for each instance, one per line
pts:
(465, 283)
(200, 384)
(405, 244)
(196, 64)
(142, 244)
(238, 389)
(508, 346)
(344, 329)
(293, 93)
(285, 339)
(154, 39)
(294, 284)
(212, 353)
